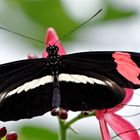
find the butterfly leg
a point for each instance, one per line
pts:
(56, 100)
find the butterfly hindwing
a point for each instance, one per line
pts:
(80, 92)
(34, 102)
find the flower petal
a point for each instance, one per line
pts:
(128, 97)
(104, 130)
(100, 113)
(52, 39)
(121, 127)
(32, 56)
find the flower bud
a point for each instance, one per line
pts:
(55, 112)
(85, 113)
(11, 136)
(3, 132)
(63, 114)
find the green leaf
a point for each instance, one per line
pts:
(37, 133)
(47, 13)
(113, 13)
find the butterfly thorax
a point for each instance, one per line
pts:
(53, 56)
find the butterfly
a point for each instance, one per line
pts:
(78, 82)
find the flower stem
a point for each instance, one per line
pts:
(63, 129)
(65, 126)
(78, 117)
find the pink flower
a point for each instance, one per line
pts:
(121, 127)
(52, 39)
(116, 122)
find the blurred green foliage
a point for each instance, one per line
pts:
(33, 17)
(39, 133)
(113, 13)
(47, 13)
(39, 15)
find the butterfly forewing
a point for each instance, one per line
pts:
(15, 101)
(104, 64)
(17, 73)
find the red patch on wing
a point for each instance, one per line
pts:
(126, 66)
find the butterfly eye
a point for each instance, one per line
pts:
(57, 49)
(47, 49)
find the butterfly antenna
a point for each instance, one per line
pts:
(65, 35)
(127, 131)
(42, 42)
(130, 105)
(133, 115)
(8, 30)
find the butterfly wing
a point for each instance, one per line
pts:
(22, 94)
(84, 93)
(120, 67)
(91, 80)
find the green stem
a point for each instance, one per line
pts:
(78, 117)
(64, 126)
(63, 129)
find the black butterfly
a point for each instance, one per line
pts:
(80, 81)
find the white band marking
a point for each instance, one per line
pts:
(49, 79)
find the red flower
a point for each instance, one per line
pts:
(11, 136)
(121, 127)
